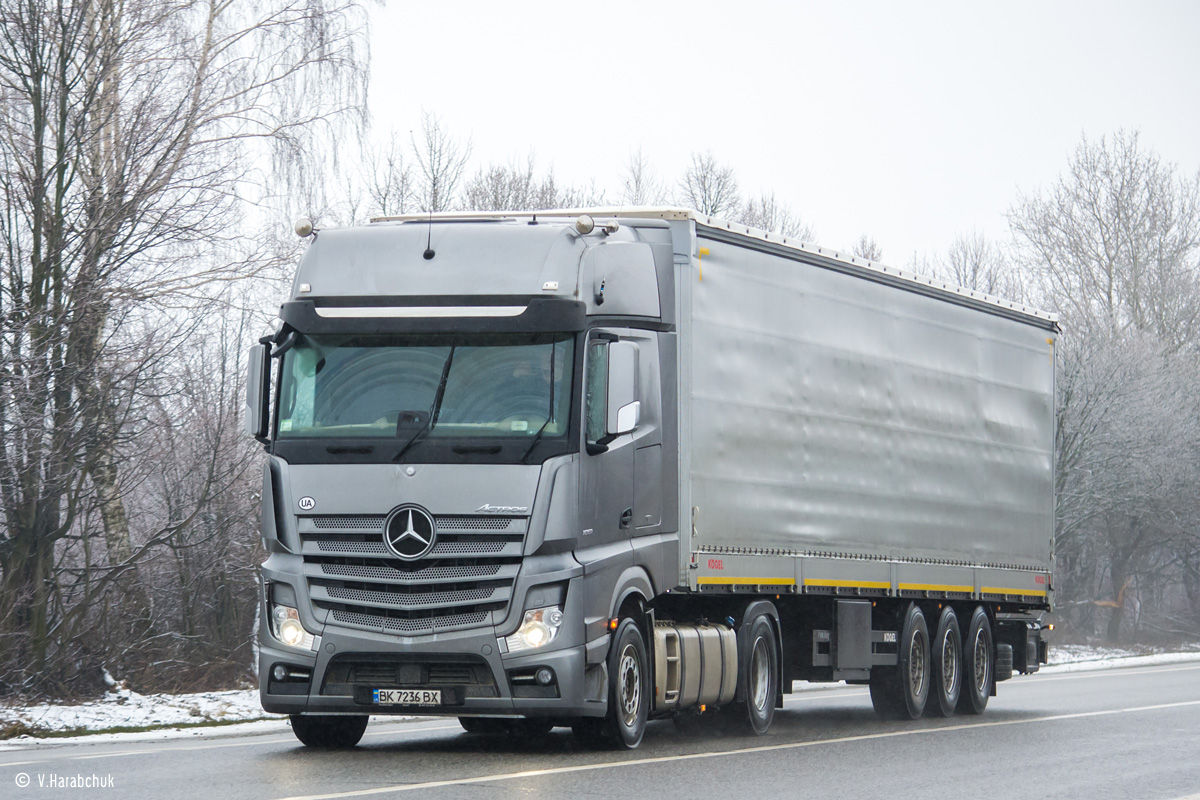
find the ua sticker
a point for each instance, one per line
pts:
(307, 504)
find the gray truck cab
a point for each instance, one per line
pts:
(471, 467)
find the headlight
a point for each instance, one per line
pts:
(285, 624)
(538, 629)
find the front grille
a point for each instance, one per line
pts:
(387, 671)
(411, 625)
(465, 581)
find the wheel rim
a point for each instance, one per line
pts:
(631, 686)
(981, 662)
(760, 674)
(916, 664)
(949, 662)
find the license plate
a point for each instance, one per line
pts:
(407, 697)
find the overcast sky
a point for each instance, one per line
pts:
(907, 121)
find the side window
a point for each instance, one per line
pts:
(596, 393)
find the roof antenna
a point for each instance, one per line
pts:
(428, 254)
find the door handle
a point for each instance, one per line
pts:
(626, 517)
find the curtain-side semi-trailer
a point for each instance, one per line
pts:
(590, 469)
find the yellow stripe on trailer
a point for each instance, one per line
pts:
(747, 581)
(1024, 592)
(935, 587)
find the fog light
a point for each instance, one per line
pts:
(280, 672)
(285, 624)
(539, 627)
(545, 677)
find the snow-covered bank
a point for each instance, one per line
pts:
(122, 708)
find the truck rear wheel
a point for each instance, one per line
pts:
(328, 730)
(977, 664)
(762, 676)
(947, 664)
(901, 692)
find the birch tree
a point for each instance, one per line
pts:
(125, 149)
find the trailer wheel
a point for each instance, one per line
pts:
(762, 676)
(328, 730)
(947, 664)
(978, 668)
(628, 693)
(902, 692)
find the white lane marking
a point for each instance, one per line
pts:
(537, 773)
(1115, 673)
(257, 742)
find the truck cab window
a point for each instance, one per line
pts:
(597, 390)
(494, 386)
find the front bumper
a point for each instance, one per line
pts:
(320, 695)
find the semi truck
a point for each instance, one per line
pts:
(592, 468)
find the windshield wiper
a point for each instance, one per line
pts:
(434, 409)
(550, 413)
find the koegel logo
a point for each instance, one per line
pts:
(716, 563)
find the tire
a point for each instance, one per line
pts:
(902, 692)
(628, 694)
(328, 730)
(978, 666)
(946, 651)
(762, 677)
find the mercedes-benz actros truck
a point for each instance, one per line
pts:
(588, 469)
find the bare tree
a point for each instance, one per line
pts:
(769, 214)
(124, 148)
(709, 187)
(639, 184)
(973, 262)
(866, 248)
(441, 161)
(517, 187)
(389, 178)
(1115, 240)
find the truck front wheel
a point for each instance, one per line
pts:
(328, 730)
(628, 693)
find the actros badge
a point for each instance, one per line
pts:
(409, 532)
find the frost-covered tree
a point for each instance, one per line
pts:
(1114, 247)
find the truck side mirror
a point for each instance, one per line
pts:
(258, 379)
(624, 409)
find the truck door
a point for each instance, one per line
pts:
(621, 475)
(607, 470)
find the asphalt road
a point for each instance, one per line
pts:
(1130, 733)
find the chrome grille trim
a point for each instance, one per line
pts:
(466, 581)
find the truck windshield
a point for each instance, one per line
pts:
(512, 387)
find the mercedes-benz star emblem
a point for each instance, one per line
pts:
(409, 532)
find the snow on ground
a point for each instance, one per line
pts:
(121, 707)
